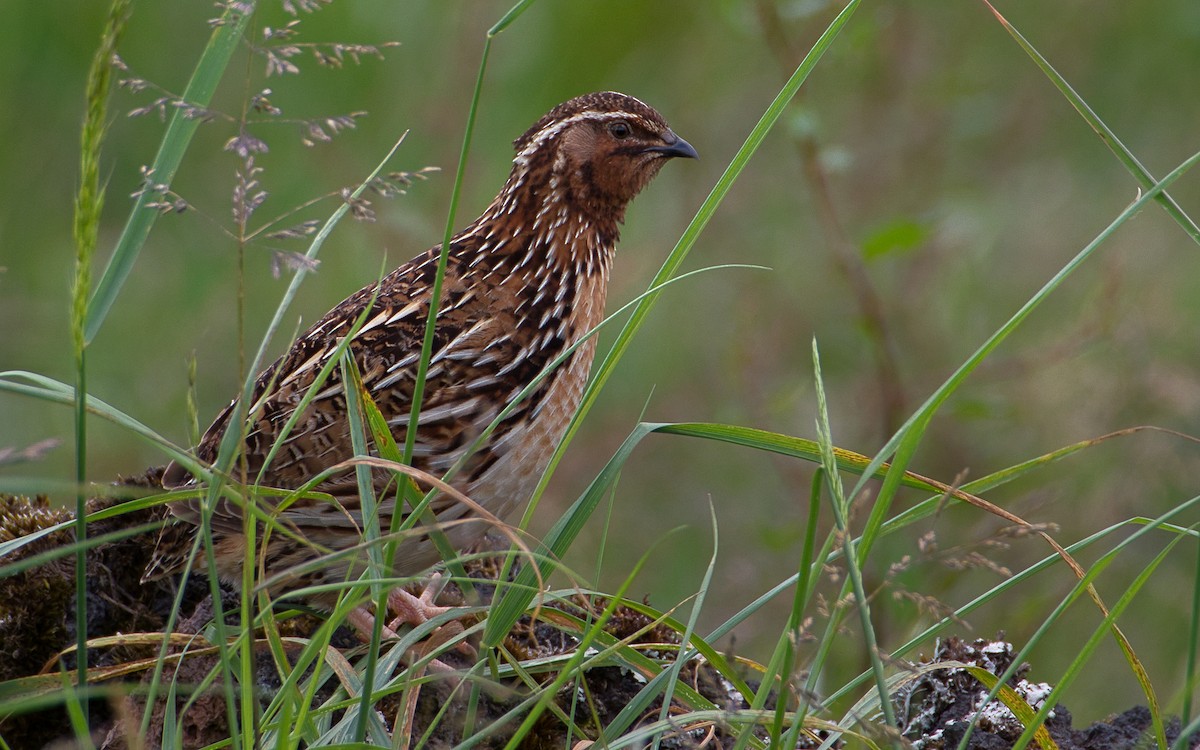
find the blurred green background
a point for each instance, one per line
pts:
(926, 145)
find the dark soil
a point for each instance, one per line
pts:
(940, 707)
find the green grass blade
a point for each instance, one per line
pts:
(77, 712)
(512, 15)
(435, 296)
(515, 601)
(852, 559)
(577, 658)
(1189, 682)
(48, 389)
(299, 276)
(89, 204)
(352, 389)
(91, 542)
(1183, 740)
(1022, 577)
(439, 277)
(224, 40)
(685, 654)
(675, 259)
(1123, 154)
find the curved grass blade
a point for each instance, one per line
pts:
(1089, 648)
(48, 389)
(515, 601)
(505, 613)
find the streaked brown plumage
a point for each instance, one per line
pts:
(524, 281)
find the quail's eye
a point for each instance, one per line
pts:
(620, 129)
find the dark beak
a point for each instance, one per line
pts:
(674, 146)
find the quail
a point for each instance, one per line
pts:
(523, 283)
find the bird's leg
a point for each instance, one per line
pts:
(363, 622)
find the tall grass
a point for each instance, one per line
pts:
(89, 204)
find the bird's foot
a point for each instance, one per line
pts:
(413, 610)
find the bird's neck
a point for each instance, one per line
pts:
(532, 226)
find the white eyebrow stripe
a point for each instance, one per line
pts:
(549, 132)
